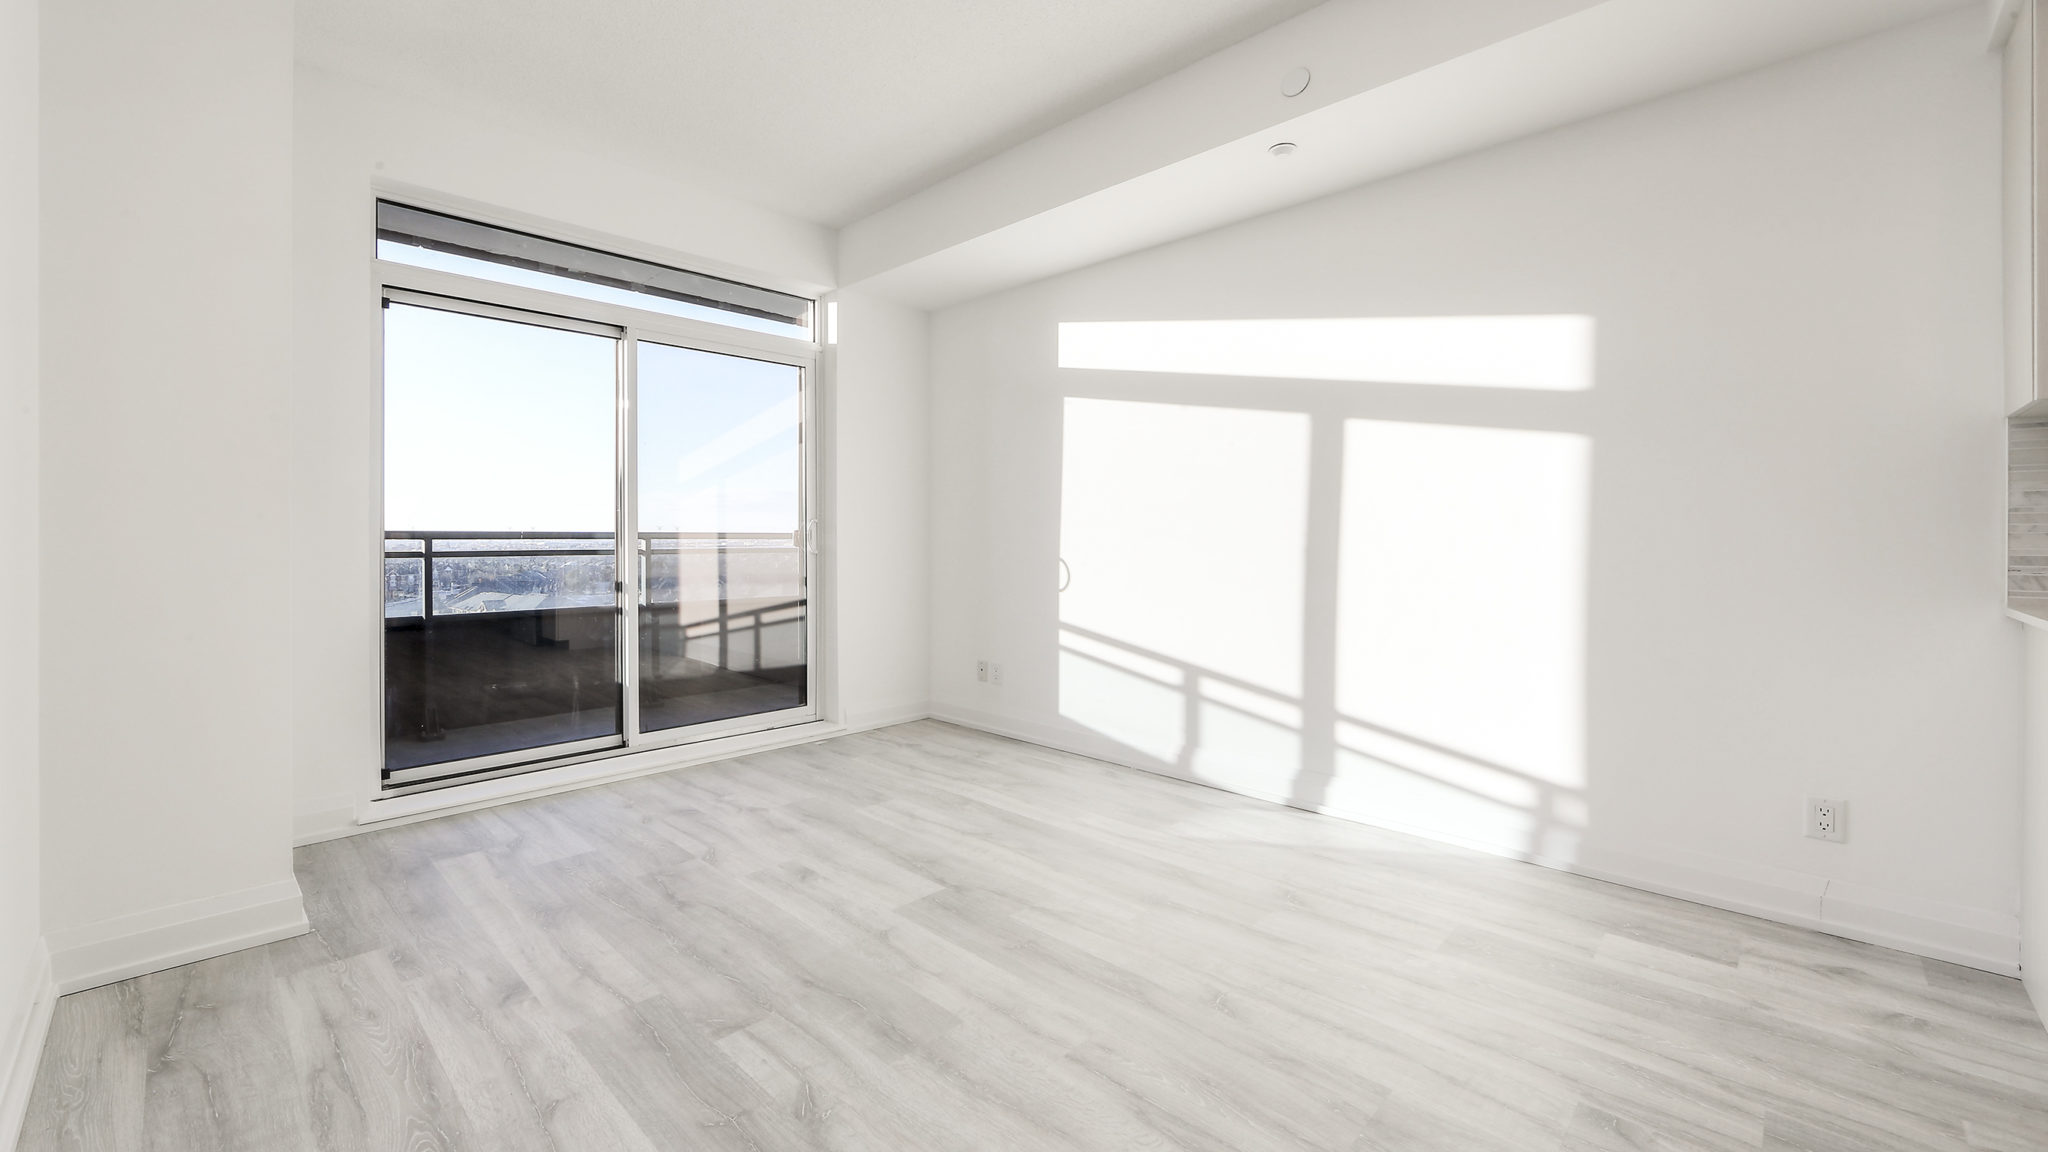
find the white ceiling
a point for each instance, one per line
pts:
(1097, 188)
(824, 109)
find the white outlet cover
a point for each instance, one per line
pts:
(1827, 819)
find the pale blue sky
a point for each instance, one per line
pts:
(498, 426)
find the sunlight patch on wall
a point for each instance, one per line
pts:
(1227, 735)
(1461, 630)
(1183, 529)
(1239, 750)
(1130, 707)
(1385, 777)
(1551, 353)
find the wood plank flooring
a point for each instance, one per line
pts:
(927, 938)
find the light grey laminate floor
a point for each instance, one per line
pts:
(925, 938)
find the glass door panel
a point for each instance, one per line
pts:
(501, 492)
(723, 611)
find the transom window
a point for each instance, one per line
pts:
(426, 239)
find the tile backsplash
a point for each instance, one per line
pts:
(2026, 522)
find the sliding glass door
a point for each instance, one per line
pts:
(500, 525)
(719, 498)
(593, 540)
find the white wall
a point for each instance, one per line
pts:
(22, 974)
(166, 338)
(1625, 629)
(2034, 809)
(882, 473)
(351, 141)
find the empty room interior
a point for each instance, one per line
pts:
(938, 576)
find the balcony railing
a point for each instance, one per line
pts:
(497, 642)
(447, 573)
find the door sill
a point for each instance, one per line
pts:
(389, 811)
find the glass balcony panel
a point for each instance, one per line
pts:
(404, 587)
(468, 585)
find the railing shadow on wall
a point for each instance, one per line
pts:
(1549, 811)
(1338, 563)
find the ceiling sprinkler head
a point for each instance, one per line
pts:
(1284, 148)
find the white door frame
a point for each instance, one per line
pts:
(488, 779)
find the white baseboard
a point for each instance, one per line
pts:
(869, 720)
(21, 1047)
(323, 818)
(1973, 937)
(144, 942)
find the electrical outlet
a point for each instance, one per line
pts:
(1827, 819)
(981, 670)
(995, 674)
